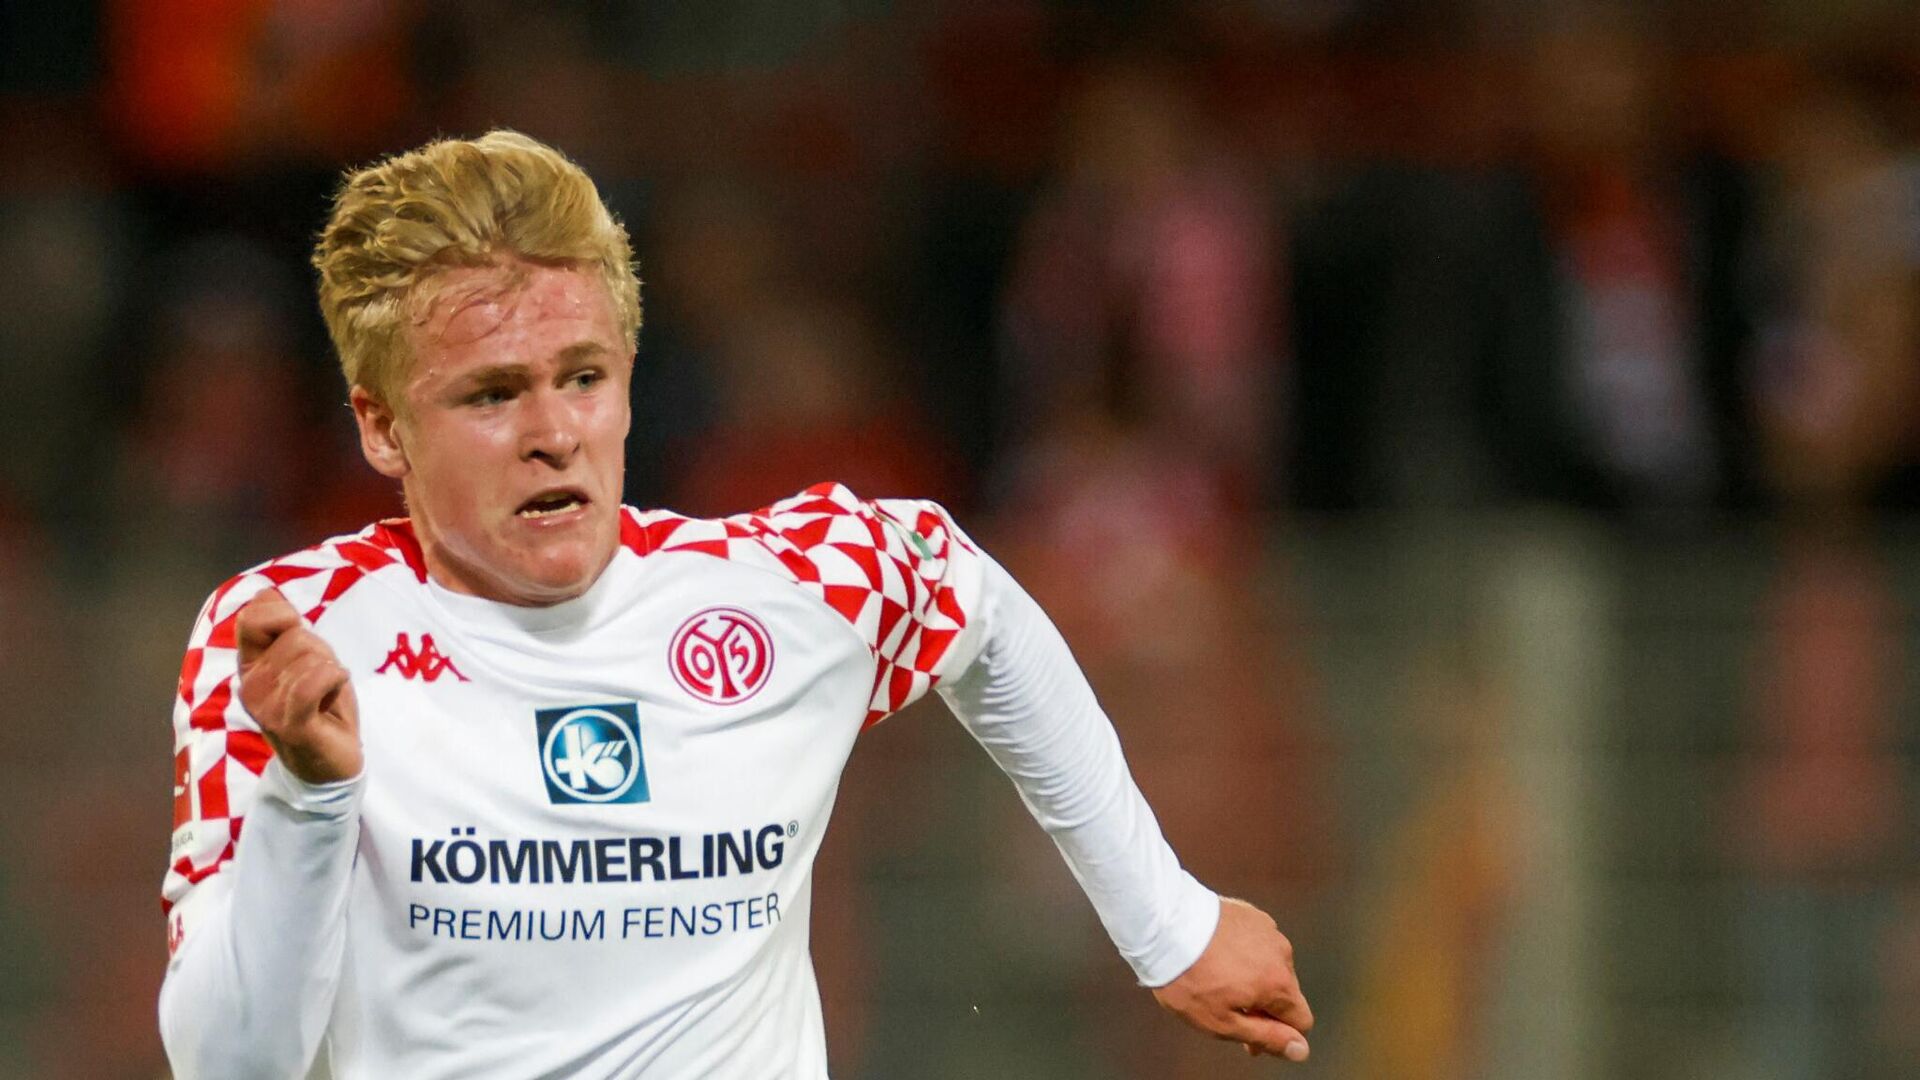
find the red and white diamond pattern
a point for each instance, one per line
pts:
(219, 752)
(857, 556)
(894, 569)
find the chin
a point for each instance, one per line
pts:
(553, 576)
(551, 584)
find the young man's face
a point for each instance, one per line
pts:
(511, 430)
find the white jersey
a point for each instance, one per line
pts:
(583, 840)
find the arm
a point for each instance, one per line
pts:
(259, 927)
(938, 612)
(1219, 964)
(249, 989)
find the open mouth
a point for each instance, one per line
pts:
(552, 503)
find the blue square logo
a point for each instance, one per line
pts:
(591, 753)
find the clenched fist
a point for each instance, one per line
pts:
(1243, 988)
(294, 687)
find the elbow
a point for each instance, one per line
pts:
(241, 1063)
(206, 1039)
(204, 1053)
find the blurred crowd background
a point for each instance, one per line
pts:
(1472, 445)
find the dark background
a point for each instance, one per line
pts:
(1471, 444)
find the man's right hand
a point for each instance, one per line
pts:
(295, 688)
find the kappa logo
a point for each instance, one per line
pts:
(591, 754)
(721, 655)
(429, 663)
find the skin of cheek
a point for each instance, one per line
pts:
(465, 479)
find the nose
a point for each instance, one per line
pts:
(547, 432)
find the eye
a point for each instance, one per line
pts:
(585, 379)
(492, 395)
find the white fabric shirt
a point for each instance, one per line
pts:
(583, 841)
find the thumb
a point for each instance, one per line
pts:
(1264, 1034)
(314, 685)
(260, 622)
(338, 701)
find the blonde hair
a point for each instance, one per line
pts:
(455, 202)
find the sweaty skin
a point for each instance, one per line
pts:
(517, 392)
(517, 389)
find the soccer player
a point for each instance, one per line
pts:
(532, 782)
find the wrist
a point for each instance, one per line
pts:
(1191, 922)
(318, 766)
(325, 798)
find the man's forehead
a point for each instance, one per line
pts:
(465, 304)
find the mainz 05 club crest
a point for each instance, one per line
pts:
(721, 655)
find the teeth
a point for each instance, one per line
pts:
(548, 511)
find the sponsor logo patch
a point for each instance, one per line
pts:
(591, 754)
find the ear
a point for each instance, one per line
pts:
(379, 441)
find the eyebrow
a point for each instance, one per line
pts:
(584, 350)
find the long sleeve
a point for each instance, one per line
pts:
(1026, 701)
(256, 887)
(250, 987)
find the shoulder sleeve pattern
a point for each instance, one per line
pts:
(218, 751)
(899, 571)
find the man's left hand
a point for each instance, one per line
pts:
(1243, 988)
